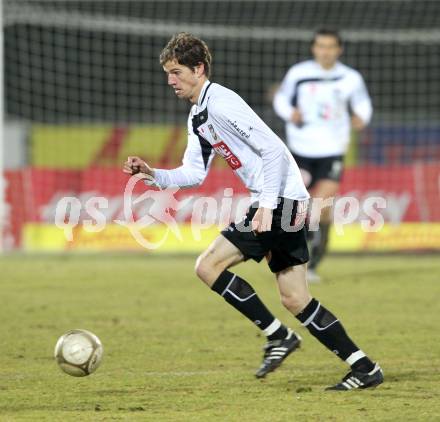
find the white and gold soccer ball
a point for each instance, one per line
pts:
(78, 353)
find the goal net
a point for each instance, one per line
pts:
(83, 89)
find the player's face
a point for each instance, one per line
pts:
(326, 50)
(186, 82)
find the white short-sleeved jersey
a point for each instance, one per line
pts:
(222, 123)
(324, 98)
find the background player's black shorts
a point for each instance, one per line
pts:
(320, 168)
(283, 248)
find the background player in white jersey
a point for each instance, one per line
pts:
(320, 100)
(221, 122)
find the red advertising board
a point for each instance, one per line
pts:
(412, 193)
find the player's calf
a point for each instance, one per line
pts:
(240, 294)
(207, 272)
(326, 328)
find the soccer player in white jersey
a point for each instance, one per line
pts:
(320, 100)
(220, 122)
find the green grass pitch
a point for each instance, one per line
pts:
(174, 351)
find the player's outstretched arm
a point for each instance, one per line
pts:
(184, 176)
(192, 172)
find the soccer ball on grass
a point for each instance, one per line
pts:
(78, 353)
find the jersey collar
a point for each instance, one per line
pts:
(203, 92)
(335, 67)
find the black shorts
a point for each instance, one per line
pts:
(285, 245)
(314, 169)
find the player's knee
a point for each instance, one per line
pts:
(206, 270)
(294, 302)
(201, 268)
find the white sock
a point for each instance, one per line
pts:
(354, 357)
(272, 327)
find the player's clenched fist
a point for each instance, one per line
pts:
(134, 165)
(262, 221)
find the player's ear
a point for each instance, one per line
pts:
(199, 70)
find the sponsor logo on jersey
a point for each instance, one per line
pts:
(223, 150)
(239, 129)
(214, 135)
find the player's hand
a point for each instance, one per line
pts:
(134, 165)
(296, 117)
(262, 221)
(357, 123)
